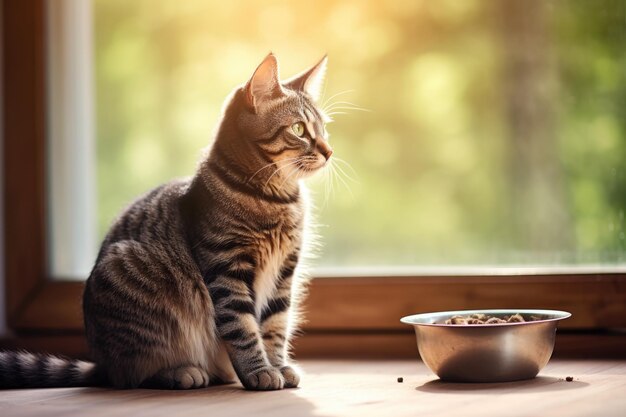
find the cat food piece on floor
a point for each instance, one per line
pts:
(400, 379)
(569, 378)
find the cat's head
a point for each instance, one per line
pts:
(276, 127)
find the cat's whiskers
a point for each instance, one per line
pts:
(326, 187)
(267, 166)
(297, 160)
(348, 166)
(326, 101)
(338, 107)
(289, 175)
(343, 161)
(299, 172)
(342, 102)
(340, 172)
(335, 176)
(331, 177)
(344, 105)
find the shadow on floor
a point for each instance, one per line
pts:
(224, 400)
(538, 384)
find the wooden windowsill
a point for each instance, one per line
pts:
(347, 345)
(354, 388)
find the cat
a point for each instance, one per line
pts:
(198, 281)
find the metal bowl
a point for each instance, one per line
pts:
(486, 352)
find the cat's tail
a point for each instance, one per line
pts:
(36, 370)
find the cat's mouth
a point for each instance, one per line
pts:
(312, 165)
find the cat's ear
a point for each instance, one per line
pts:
(264, 83)
(310, 81)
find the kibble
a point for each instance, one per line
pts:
(400, 379)
(480, 318)
(516, 318)
(456, 320)
(495, 320)
(569, 378)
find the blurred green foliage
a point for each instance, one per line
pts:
(496, 132)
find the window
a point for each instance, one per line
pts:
(493, 136)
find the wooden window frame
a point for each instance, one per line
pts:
(345, 316)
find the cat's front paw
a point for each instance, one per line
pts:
(264, 379)
(292, 378)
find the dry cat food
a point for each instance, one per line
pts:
(480, 318)
(400, 379)
(569, 378)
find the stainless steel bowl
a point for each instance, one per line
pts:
(486, 352)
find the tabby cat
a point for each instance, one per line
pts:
(197, 281)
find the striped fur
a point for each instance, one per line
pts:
(31, 370)
(199, 280)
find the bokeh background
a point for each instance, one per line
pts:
(496, 130)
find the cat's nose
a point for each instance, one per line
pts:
(324, 149)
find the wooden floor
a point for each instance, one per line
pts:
(345, 388)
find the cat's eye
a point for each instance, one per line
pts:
(298, 129)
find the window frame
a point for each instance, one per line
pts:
(339, 310)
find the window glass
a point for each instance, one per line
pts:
(489, 132)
